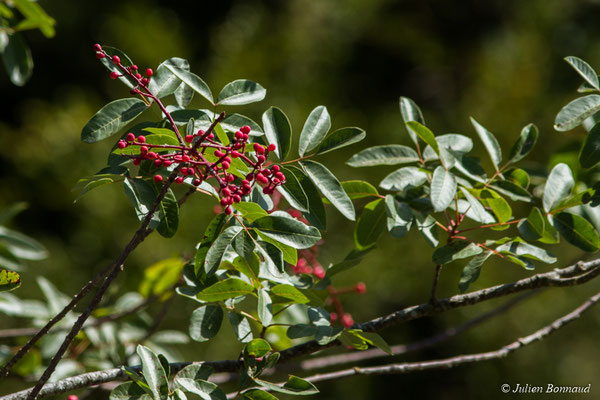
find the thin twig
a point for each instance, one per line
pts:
(436, 278)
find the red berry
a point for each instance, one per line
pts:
(245, 136)
(130, 137)
(210, 136)
(99, 55)
(185, 158)
(219, 153)
(138, 76)
(245, 183)
(360, 288)
(271, 147)
(183, 171)
(258, 148)
(152, 155)
(259, 359)
(149, 72)
(245, 129)
(72, 397)
(275, 181)
(137, 161)
(275, 168)
(145, 82)
(261, 178)
(333, 317)
(347, 320)
(158, 163)
(166, 163)
(114, 75)
(230, 178)
(179, 179)
(97, 47)
(236, 198)
(122, 144)
(260, 159)
(189, 138)
(197, 182)
(280, 176)
(239, 135)
(224, 201)
(144, 149)
(200, 132)
(226, 192)
(267, 172)
(141, 139)
(116, 59)
(228, 210)
(158, 178)
(225, 165)
(235, 154)
(134, 67)
(250, 177)
(319, 272)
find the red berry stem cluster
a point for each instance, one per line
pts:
(190, 157)
(308, 264)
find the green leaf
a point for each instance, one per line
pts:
(289, 292)
(443, 189)
(10, 211)
(217, 249)
(471, 271)
(573, 114)
(370, 224)
(257, 348)
(241, 91)
(206, 390)
(411, 112)
(589, 156)
(490, 142)
(205, 322)
(35, 17)
(404, 179)
(290, 254)
(85, 185)
(315, 128)
(243, 244)
(359, 189)
(330, 187)
(129, 391)
(558, 186)
(250, 211)
(111, 118)
(375, 340)
(178, 394)
(153, 372)
(585, 70)
(278, 131)
(241, 327)
(577, 231)
(392, 154)
(426, 224)
(511, 190)
(227, 289)
(292, 191)
(456, 250)
(520, 248)
(341, 138)
(518, 176)
(168, 210)
(195, 372)
(142, 196)
(265, 307)
(497, 204)
(288, 231)
(164, 82)
(193, 81)
(481, 215)
(248, 266)
(9, 280)
(210, 235)
(184, 96)
(425, 134)
(399, 217)
(524, 144)
(294, 385)
(22, 246)
(17, 59)
(159, 277)
(257, 394)
(533, 227)
(233, 122)
(316, 211)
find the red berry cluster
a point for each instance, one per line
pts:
(308, 264)
(193, 158)
(191, 155)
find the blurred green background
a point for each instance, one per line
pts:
(498, 61)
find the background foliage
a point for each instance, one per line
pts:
(500, 62)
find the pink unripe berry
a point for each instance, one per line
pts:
(179, 179)
(333, 317)
(97, 47)
(259, 359)
(228, 210)
(319, 272)
(360, 288)
(245, 129)
(122, 144)
(347, 320)
(99, 55)
(189, 138)
(258, 148)
(149, 72)
(116, 59)
(158, 178)
(114, 75)
(141, 139)
(271, 147)
(260, 159)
